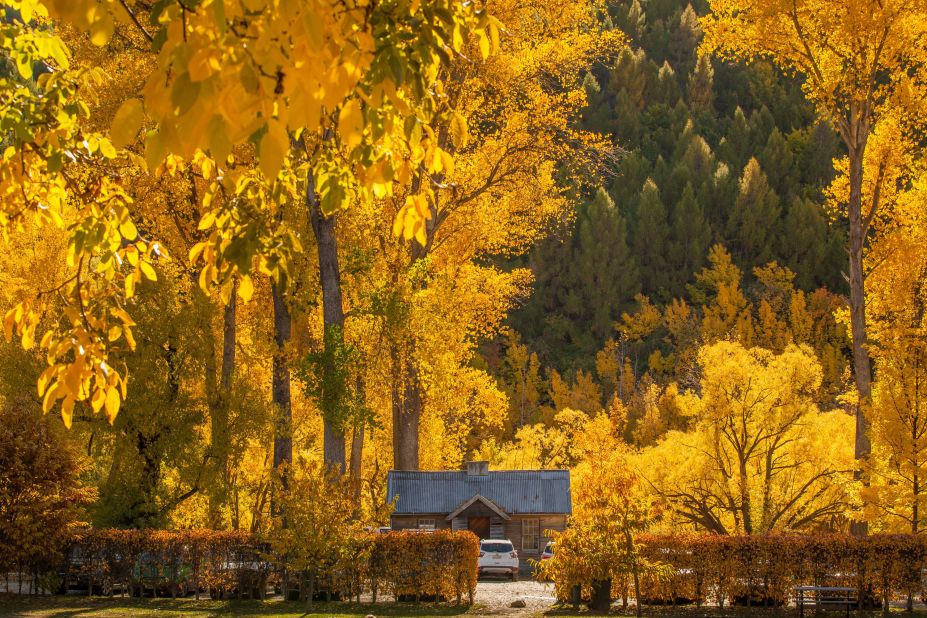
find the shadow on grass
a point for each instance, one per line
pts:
(691, 611)
(77, 606)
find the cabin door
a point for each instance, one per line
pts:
(479, 526)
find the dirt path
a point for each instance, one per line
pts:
(496, 597)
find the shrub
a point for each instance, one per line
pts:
(440, 564)
(41, 496)
(402, 564)
(763, 570)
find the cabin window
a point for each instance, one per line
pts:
(530, 534)
(426, 524)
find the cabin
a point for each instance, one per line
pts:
(519, 505)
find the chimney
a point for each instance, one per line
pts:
(477, 468)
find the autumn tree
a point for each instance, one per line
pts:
(900, 432)
(513, 136)
(316, 537)
(612, 504)
(42, 497)
(861, 62)
(899, 419)
(762, 457)
(254, 66)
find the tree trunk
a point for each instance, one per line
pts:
(280, 389)
(632, 551)
(333, 319)
(407, 410)
(210, 377)
(219, 411)
(861, 362)
(357, 453)
(746, 504)
(601, 599)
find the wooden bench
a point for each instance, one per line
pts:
(824, 596)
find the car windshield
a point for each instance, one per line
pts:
(498, 548)
(549, 549)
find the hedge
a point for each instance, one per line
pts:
(440, 564)
(404, 565)
(763, 570)
(167, 562)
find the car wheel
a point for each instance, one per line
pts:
(514, 576)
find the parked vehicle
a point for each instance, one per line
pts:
(82, 571)
(498, 557)
(151, 575)
(546, 555)
(548, 552)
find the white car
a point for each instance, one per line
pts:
(498, 557)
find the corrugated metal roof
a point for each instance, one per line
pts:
(516, 491)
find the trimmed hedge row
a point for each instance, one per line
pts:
(404, 565)
(440, 564)
(763, 570)
(166, 563)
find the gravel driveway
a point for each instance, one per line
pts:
(496, 596)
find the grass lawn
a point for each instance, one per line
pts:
(63, 607)
(98, 607)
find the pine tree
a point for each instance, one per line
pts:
(777, 160)
(700, 89)
(690, 236)
(650, 242)
(667, 88)
(752, 226)
(683, 41)
(805, 245)
(736, 146)
(582, 286)
(603, 260)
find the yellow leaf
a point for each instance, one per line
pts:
(206, 277)
(494, 26)
(218, 139)
(205, 223)
(114, 333)
(129, 338)
(155, 150)
(28, 338)
(106, 148)
(458, 130)
(67, 411)
(351, 123)
(484, 45)
(112, 404)
(225, 292)
(148, 271)
(126, 123)
(274, 146)
(245, 288)
(121, 313)
(437, 161)
(101, 30)
(25, 10)
(447, 162)
(51, 396)
(97, 400)
(128, 230)
(44, 379)
(130, 285)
